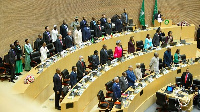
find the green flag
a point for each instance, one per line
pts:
(155, 11)
(142, 15)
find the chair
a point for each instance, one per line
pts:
(66, 77)
(35, 58)
(161, 101)
(160, 64)
(196, 83)
(173, 105)
(178, 81)
(103, 104)
(183, 57)
(110, 54)
(142, 66)
(90, 62)
(103, 30)
(139, 45)
(51, 49)
(109, 92)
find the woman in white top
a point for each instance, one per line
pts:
(138, 72)
(43, 51)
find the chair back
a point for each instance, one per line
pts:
(130, 22)
(65, 73)
(90, 58)
(183, 57)
(35, 54)
(173, 104)
(160, 99)
(110, 52)
(178, 81)
(50, 46)
(139, 44)
(100, 96)
(109, 86)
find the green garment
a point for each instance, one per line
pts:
(18, 67)
(142, 15)
(176, 58)
(28, 50)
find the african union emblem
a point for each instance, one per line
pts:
(166, 22)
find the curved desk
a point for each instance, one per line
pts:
(89, 97)
(41, 89)
(141, 102)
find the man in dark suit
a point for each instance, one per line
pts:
(38, 43)
(73, 76)
(92, 24)
(157, 15)
(95, 60)
(86, 34)
(103, 55)
(131, 76)
(59, 44)
(118, 24)
(83, 23)
(156, 39)
(108, 27)
(198, 38)
(12, 57)
(57, 80)
(116, 89)
(187, 79)
(167, 61)
(47, 35)
(80, 68)
(124, 19)
(69, 40)
(63, 32)
(98, 29)
(123, 82)
(103, 20)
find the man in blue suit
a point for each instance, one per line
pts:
(118, 24)
(95, 60)
(167, 57)
(116, 89)
(57, 87)
(86, 34)
(83, 23)
(130, 76)
(73, 76)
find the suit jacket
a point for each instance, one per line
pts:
(156, 16)
(58, 46)
(11, 55)
(131, 47)
(46, 37)
(103, 21)
(124, 19)
(131, 77)
(38, 44)
(118, 25)
(80, 69)
(63, 31)
(156, 40)
(167, 58)
(73, 78)
(108, 28)
(82, 24)
(116, 91)
(69, 41)
(57, 83)
(97, 31)
(92, 25)
(95, 62)
(189, 80)
(103, 56)
(86, 34)
(123, 84)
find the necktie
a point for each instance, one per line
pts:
(49, 35)
(126, 80)
(99, 27)
(61, 42)
(186, 77)
(82, 64)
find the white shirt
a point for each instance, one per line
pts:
(54, 34)
(43, 51)
(77, 36)
(154, 64)
(138, 73)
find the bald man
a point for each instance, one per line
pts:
(69, 40)
(57, 87)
